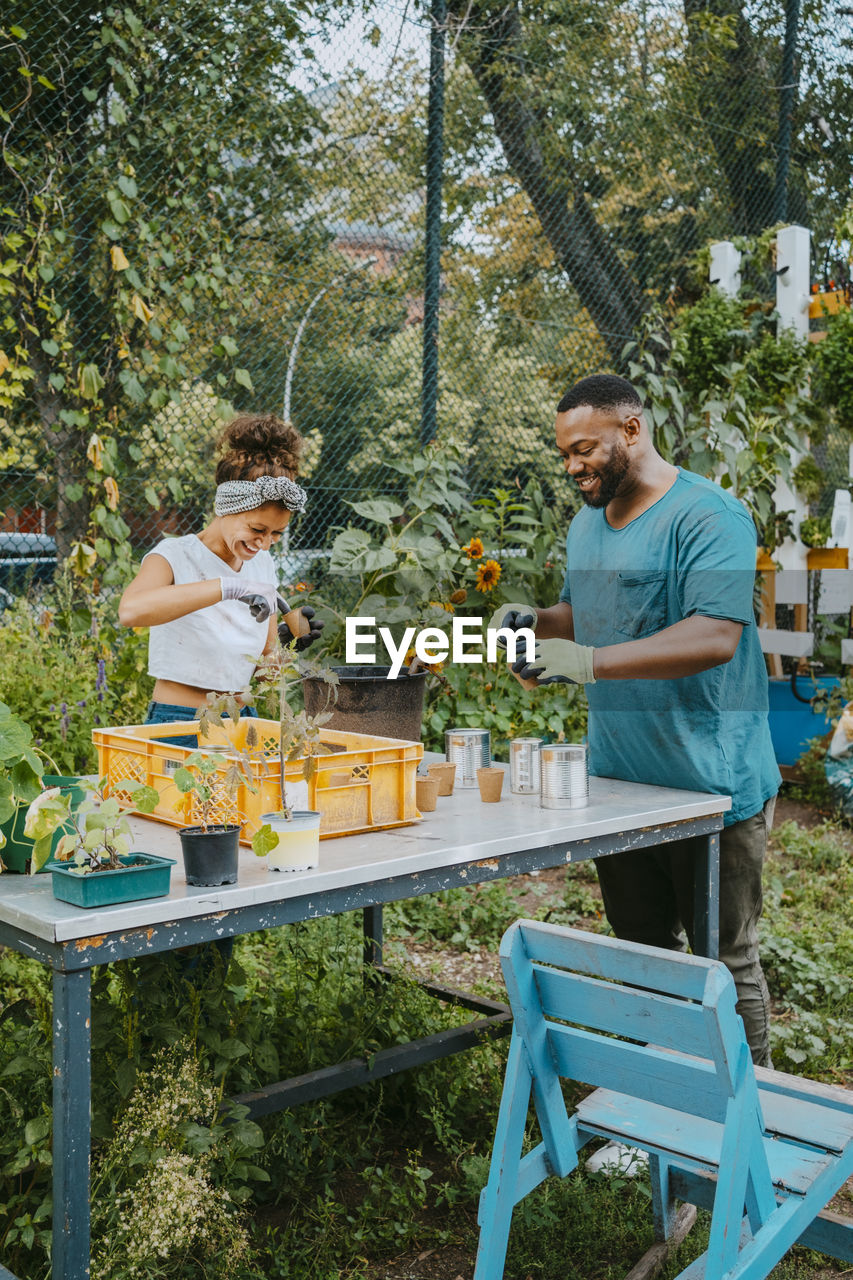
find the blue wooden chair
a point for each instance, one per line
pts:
(656, 1033)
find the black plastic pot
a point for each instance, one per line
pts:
(210, 857)
(370, 703)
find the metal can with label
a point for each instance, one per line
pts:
(524, 765)
(469, 750)
(565, 782)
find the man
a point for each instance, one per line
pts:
(656, 620)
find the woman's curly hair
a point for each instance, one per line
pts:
(258, 445)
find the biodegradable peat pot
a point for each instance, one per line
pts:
(18, 849)
(427, 791)
(142, 875)
(490, 781)
(445, 774)
(370, 703)
(210, 854)
(298, 840)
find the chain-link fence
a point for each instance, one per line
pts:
(386, 222)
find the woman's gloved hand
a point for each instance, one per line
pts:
(558, 661)
(259, 596)
(285, 635)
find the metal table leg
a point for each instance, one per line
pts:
(706, 899)
(372, 934)
(72, 1098)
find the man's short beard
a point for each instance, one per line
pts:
(610, 477)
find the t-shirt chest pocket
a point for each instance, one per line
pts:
(640, 605)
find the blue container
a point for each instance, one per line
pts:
(792, 722)
(144, 875)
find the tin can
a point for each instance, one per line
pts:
(565, 784)
(524, 765)
(469, 750)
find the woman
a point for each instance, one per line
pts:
(195, 592)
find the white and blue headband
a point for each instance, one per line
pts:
(245, 495)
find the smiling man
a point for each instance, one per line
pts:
(656, 620)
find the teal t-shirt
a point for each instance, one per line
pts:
(693, 552)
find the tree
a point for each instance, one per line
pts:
(140, 144)
(638, 131)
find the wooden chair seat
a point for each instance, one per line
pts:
(657, 1033)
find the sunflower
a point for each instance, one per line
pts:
(434, 667)
(488, 575)
(474, 549)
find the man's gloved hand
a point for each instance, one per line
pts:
(558, 661)
(259, 596)
(285, 635)
(513, 617)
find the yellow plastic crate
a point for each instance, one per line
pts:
(362, 783)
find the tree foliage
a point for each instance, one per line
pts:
(140, 143)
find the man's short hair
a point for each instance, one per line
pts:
(603, 391)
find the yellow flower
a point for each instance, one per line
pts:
(434, 667)
(488, 575)
(474, 549)
(439, 604)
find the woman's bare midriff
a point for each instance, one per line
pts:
(181, 695)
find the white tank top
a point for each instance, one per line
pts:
(213, 648)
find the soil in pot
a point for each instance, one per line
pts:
(210, 854)
(370, 703)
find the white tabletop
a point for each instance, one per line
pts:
(461, 830)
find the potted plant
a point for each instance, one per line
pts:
(94, 864)
(211, 846)
(22, 779)
(815, 531)
(289, 837)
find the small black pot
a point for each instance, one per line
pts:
(210, 857)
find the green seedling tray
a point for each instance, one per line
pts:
(144, 875)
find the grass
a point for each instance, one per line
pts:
(343, 1187)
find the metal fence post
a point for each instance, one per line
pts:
(787, 97)
(432, 236)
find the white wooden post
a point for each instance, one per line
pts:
(724, 274)
(793, 269)
(725, 267)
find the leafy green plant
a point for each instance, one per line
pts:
(97, 671)
(433, 555)
(21, 768)
(200, 771)
(298, 731)
(815, 531)
(728, 397)
(157, 1192)
(808, 479)
(809, 877)
(103, 835)
(834, 361)
(483, 698)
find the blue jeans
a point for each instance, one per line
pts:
(165, 712)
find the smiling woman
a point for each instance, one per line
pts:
(193, 591)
